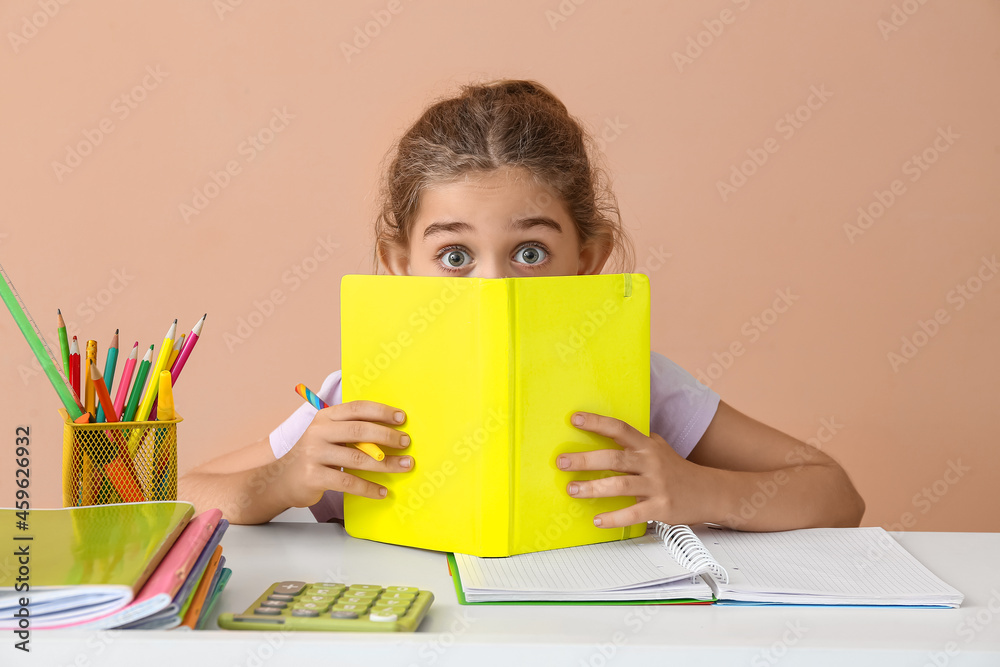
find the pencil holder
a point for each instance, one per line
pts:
(118, 462)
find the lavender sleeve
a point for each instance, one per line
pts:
(680, 407)
(283, 438)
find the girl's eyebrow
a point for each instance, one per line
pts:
(520, 224)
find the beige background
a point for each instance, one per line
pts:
(107, 241)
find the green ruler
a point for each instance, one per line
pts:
(38, 345)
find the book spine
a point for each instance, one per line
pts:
(495, 497)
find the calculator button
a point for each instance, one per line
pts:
(343, 613)
(402, 597)
(326, 590)
(267, 611)
(318, 598)
(276, 604)
(357, 608)
(313, 606)
(305, 612)
(398, 610)
(402, 589)
(290, 587)
(383, 617)
(368, 595)
(364, 587)
(281, 596)
(355, 600)
(329, 584)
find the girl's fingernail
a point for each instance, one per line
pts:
(405, 441)
(573, 489)
(562, 462)
(577, 420)
(382, 492)
(399, 417)
(406, 461)
(597, 521)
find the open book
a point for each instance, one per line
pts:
(489, 372)
(815, 566)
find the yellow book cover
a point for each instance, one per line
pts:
(489, 372)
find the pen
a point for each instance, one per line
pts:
(369, 448)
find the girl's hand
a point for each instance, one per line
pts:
(666, 487)
(314, 464)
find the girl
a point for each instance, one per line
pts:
(498, 182)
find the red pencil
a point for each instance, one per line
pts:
(74, 365)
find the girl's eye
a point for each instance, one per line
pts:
(530, 255)
(455, 259)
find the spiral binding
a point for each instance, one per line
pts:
(685, 548)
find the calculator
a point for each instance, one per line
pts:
(297, 605)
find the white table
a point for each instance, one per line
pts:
(595, 636)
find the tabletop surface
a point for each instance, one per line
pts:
(552, 635)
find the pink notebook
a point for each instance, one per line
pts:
(173, 570)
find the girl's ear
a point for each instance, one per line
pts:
(593, 256)
(394, 259)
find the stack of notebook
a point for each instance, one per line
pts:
(150, 565)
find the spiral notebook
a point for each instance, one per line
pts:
(814, 566)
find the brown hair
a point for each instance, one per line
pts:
(495, 125)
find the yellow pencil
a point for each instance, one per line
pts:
(161, 364)
(175, 351)
(88, 387)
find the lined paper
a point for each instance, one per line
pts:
(597, 567)
(823, 566)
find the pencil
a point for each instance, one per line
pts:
(189, 343)
(369, 448)
(74, 366)
(88, 384)
(161, 363)
(178, 344)
(178, 364)
(140, 380)
(170, 362)
(122, 394)
(63, 342)
(110, 363)
(103, 396)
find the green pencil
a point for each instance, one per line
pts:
(140, 381)
(63, 342)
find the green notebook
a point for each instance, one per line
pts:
(81, 563)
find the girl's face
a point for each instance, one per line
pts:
(498, 224)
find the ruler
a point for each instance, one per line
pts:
(36, 341)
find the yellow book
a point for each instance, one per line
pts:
(489, 372)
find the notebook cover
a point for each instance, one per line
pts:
(78, 552)
(193, 612)
(170, 575)
(489, 372)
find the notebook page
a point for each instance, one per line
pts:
(855, 563)
(596, 567)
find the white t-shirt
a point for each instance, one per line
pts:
(680, 410)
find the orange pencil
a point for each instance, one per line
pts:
(102, 394)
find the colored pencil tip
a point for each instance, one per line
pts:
(116, 332)
(58, 311)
